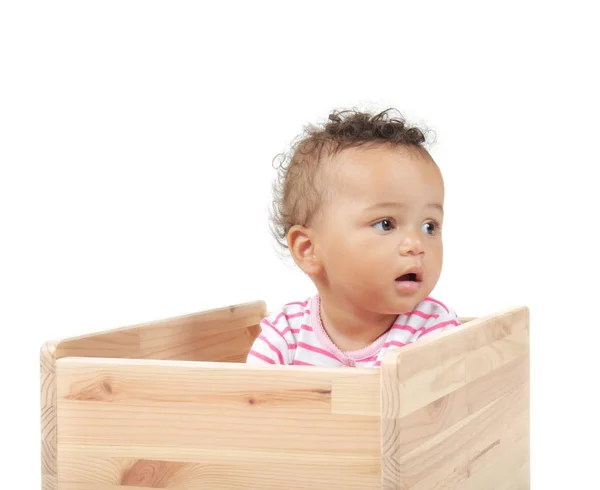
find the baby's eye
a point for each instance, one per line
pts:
(430, 227)
(384, 225)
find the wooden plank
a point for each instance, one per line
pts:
(135, 382)
(119, 343)
(490, 357)
(439, 392)
(225, 425)
(195, 345)
(103, 486)
(48, 416)
(221, 334)
(215, 474)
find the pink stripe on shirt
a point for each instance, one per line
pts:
(274, 328)
(288, 317)
(299, 303)
(408, 328)
(301, 363)
(439, 325)
(426, 316)
(302, 327)
(261, 357)
(272, 347)
(393, 343)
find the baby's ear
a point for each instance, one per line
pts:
(302, 247)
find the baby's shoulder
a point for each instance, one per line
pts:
(433, 306)
(289, 318)
(430, 313)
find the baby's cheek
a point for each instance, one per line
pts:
(341, 263)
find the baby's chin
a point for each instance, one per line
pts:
(405, 303)
(397, 306)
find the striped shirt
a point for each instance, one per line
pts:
(296, 336)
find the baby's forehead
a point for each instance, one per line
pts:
(363, 182)
(371, 168)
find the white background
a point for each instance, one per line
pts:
(136, 145)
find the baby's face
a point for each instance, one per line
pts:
(381, 221)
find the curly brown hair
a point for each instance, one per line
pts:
(296, 193)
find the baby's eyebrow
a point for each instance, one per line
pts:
(437, 206)
(391, 204)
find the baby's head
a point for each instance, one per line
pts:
(359, 205)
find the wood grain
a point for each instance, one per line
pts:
(179, 424)
(455, 408)
(48, 415)
(221, 334)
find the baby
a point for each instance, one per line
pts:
(359, 206)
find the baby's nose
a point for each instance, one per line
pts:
(411, 245)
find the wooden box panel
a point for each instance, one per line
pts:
(456, 408)
(189, 425)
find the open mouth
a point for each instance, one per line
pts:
(410, 277)
(407, 277)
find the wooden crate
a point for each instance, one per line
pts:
(171, 404)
